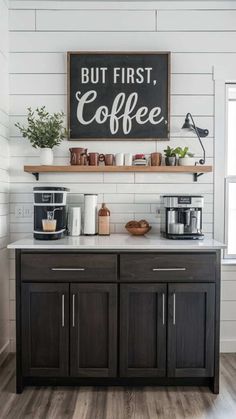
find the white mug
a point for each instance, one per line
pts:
(120, 159)
(176, 228)
(128, 159)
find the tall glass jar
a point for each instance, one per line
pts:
(104, 221)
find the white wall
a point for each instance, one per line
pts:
(40, 34)
(4, 195)
(228, 309)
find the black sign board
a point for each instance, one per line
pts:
(118, 95)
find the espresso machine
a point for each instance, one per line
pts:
(181, 216)
(50, 215)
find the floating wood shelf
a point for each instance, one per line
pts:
(195, 170)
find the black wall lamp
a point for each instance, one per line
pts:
(189, 124)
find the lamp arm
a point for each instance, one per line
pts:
(201, 161)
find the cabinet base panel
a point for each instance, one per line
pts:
(72, 381)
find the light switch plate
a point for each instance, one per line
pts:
(27, 211)
(23, 211)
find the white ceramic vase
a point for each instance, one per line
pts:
(46, 156)
(187, 161)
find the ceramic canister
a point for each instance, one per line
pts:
(119, 159)
(90, 214)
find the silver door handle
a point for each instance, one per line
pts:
(67, 269)
(73, 310)
(174, 309)
(63, 310)
(169, 269)
(163, 308)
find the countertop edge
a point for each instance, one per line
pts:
(146, 248)
(117, 242)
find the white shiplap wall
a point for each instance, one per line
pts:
(4, 185)
(40, 34)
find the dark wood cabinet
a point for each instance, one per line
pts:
(84, 267)
(168, 267)
(117, 318)
(143, 330)
(45, 329)
(191, 330)
(93, 344)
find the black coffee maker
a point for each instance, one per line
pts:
(50, 213)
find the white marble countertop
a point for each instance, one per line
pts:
(116, 242)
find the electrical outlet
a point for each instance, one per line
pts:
(27, 211)
(19, 211)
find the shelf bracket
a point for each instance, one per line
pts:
(196, 176)
(36, 175)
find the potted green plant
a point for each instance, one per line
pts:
(44, 131)
(170, 156)
(185, 158)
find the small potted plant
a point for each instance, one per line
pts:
(170, 156)
(44, 131)
(185, 158)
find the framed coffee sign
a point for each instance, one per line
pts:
(118, 95)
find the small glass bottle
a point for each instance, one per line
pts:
(104, 221)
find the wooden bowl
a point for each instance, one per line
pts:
(138, 231)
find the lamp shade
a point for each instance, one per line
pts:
(187, 124)
(192, 127)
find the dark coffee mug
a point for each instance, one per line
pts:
(95, 158)
(109, 159)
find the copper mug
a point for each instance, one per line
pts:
(109, 159)
(95, 158)
(156, 159)
(78, 156)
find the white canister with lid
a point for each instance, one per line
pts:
(90, 214)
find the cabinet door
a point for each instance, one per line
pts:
(143, 330)
(45, 329)
(93, 330)
(191, 330)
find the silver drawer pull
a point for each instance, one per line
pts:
(163, 308)
(174, 309)
(73, 310)
(169, 269)
(67, 269)
(63, 310)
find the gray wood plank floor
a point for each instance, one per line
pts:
(118, 402)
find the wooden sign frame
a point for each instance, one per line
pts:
(123, 137)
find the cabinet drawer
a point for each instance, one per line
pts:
(168, 267)
(67, 267)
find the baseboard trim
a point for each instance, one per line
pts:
(4, 351)
(228, 345)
